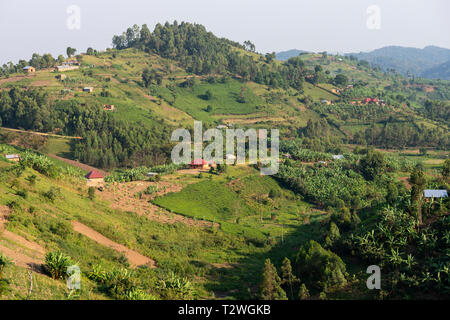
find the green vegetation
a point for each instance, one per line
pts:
(309, 232)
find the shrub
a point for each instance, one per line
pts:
(4, 261)
(151, 190)
(56, 263)
(176, 287)
(138, 294)
(274, 193)
(4, 287)
(91, 193)
(22, 193)
(31, 179)
(52, 194)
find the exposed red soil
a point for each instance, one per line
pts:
(135, 258)
(123, 196)
(26, 253)
(79, 164)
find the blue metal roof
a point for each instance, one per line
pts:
(435, 193)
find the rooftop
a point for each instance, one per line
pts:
(94, 175)
(435, 193)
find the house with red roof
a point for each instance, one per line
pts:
(94, 178)
(199, 164)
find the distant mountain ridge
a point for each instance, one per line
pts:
(285, 55)
(430, 62)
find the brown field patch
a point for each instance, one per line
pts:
(123, 196)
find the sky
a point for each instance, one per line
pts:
(50, 26)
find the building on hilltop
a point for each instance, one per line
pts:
(29, 69)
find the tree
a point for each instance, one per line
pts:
(303, 293)
(372, 165)
(418, 182)
(320, 268)
(147, 77)
(207, 95)
(445, 168)
(70, 51)
(270, 288)
(289, 281)
(340, 80)
(333, 235)
(90, 51)
(145, 34)
(270, 57)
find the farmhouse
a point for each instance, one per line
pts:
(433, 194)
(88, 89)
(338, 156)
(325, 101)
(108, 107)
(199, 164)
(94, 178)
(61, 76)
(13, 157)
(29, 69)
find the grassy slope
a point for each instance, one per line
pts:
(197, 252)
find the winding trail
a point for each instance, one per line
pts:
(22, 252)
(133, 257)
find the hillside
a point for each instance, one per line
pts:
(174, 97)
(218, 233)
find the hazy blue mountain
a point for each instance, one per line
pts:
(441, 71)
(420, 62)
(285, 55)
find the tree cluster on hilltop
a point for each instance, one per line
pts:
(201, 52)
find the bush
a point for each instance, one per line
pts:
(274, 193)
(176, 287)
(4, 287)
(56, 263)
(4, 261)
(91, 193)
(52, 194)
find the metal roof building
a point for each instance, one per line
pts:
(435, 193)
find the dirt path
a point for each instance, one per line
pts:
(133, 257)
(41, 133)
(22, 252)
(77, 164)
(22, 260)
(14, 79)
